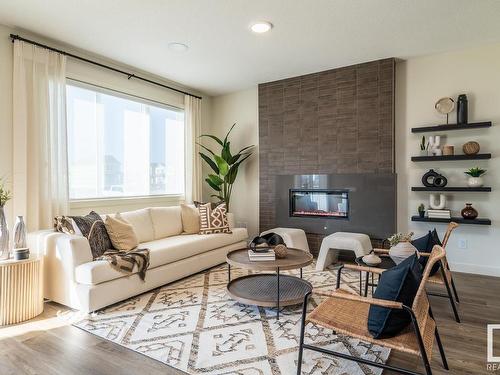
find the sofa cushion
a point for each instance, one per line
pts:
(142, 223)
(121, 233)
(190, 219)
(163, 251)
(166, 221)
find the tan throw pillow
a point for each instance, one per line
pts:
(121, 233)
(190, 219)
(213, 220)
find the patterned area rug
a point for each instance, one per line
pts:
(194, 326)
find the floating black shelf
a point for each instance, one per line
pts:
(451, 157)
(478, 221)
(446, 127)
(450, 188)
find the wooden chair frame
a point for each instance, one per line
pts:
(446, 276)
(416, 309)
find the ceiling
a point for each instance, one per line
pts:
(224, 56)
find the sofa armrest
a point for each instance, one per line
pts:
(230, 220)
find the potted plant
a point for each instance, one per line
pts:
(401, 247)
(225, 166)
(424, 147)
(475, 177)
(421, 210)
(5, 196)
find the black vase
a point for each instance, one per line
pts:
(462, 110)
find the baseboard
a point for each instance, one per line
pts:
(475, 269)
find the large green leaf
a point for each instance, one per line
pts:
(227, 135)
(231, 175)
(206, 148)
(222, 165)
(210, 162)
(218, 140)
(245, 148)
(216, 179)
(226, 152)
(212, 185)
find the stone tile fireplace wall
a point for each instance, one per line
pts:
(336, 121)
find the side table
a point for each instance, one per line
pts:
(21, 292)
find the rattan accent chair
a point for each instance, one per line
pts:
(347, 313)
(444, 276)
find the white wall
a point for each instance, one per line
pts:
(94, 75)
(419, 83)
(242, 108)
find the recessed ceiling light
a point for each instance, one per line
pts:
(261, 27)
(177, 47)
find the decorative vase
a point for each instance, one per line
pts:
(462, 109)
(401, 251)
(19, 233)
(471, 148)
(424, 153)
(475, 182)
(4, 236)
(436, 204)
(469, 212)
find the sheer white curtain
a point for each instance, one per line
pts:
(40, 189)
(192, 113)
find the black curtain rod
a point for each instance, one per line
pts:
(129, 75)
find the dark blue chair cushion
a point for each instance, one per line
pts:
(400, 284)
(425, 244)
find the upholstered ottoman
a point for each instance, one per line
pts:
(293, 237)
(357, 242)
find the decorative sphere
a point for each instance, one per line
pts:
(280, 251)
(471, 148)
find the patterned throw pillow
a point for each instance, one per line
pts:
(92, 226)
(64, 224)
(213, 219)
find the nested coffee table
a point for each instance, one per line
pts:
(269, 289)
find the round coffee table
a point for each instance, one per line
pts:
(269, 290)
(385, 264)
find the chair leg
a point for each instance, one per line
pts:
(440, 344)
(302, 330)
(455, 291)
(450, 297)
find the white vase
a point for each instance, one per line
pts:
(401, 251)
(19, 234)
(475, 182)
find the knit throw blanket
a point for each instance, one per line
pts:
(124, 261)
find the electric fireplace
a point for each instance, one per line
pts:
(319, 203)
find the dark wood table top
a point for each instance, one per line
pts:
(386, 263)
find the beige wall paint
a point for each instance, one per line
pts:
(94, 75)
(420, 82)
(242, 108)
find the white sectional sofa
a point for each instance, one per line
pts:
(72, 278)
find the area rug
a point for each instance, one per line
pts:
(194, 326)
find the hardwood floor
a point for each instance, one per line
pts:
(50, 345)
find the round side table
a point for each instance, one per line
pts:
(21, 294)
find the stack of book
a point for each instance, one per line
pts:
(439, 214)
(261, 256)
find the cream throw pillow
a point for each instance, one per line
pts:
(190, 219)
(121, 233)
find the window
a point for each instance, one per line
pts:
(122, 146)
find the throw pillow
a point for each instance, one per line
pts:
(121, 233)
(94, 229)
(213, 220)
(190, 219)
(399, 284)
(425, 244)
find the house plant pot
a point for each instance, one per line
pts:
(401, 247)
(475, 177)
(475, 182)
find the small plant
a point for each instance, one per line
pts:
(400, 237)
(424, 146)
(421, 207)
(475, 172)
(5, 195)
